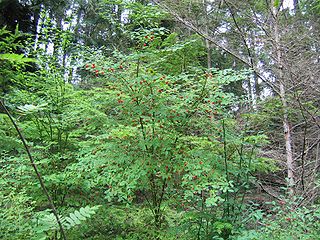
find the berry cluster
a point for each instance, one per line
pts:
(92, 68)
(148, 39)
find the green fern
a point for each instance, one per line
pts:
(49, 222)
(77, 217)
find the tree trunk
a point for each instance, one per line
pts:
(282, 84)
(208, 44)
(296, 5)
(209, 58)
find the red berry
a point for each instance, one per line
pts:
(144, 44)
(146, 37)
(93, 65)
(87, 65)
(194, 177)
(121, 67)
(282, 202)
(200, 162)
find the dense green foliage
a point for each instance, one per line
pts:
(134, 137)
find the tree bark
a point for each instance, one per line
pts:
(283, 96)
(208, 44)
(296, 6)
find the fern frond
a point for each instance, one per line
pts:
(75, 218)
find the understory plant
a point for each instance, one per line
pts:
(169, 141)
(284, 221)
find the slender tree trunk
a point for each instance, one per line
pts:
(296, 5)
(288, 141)
(315, 172)
(208, 44)
(283, 96)
(209, 58)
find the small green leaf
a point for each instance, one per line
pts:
(79, 216)
(18, 58)
(70, 221)
(74, 218)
